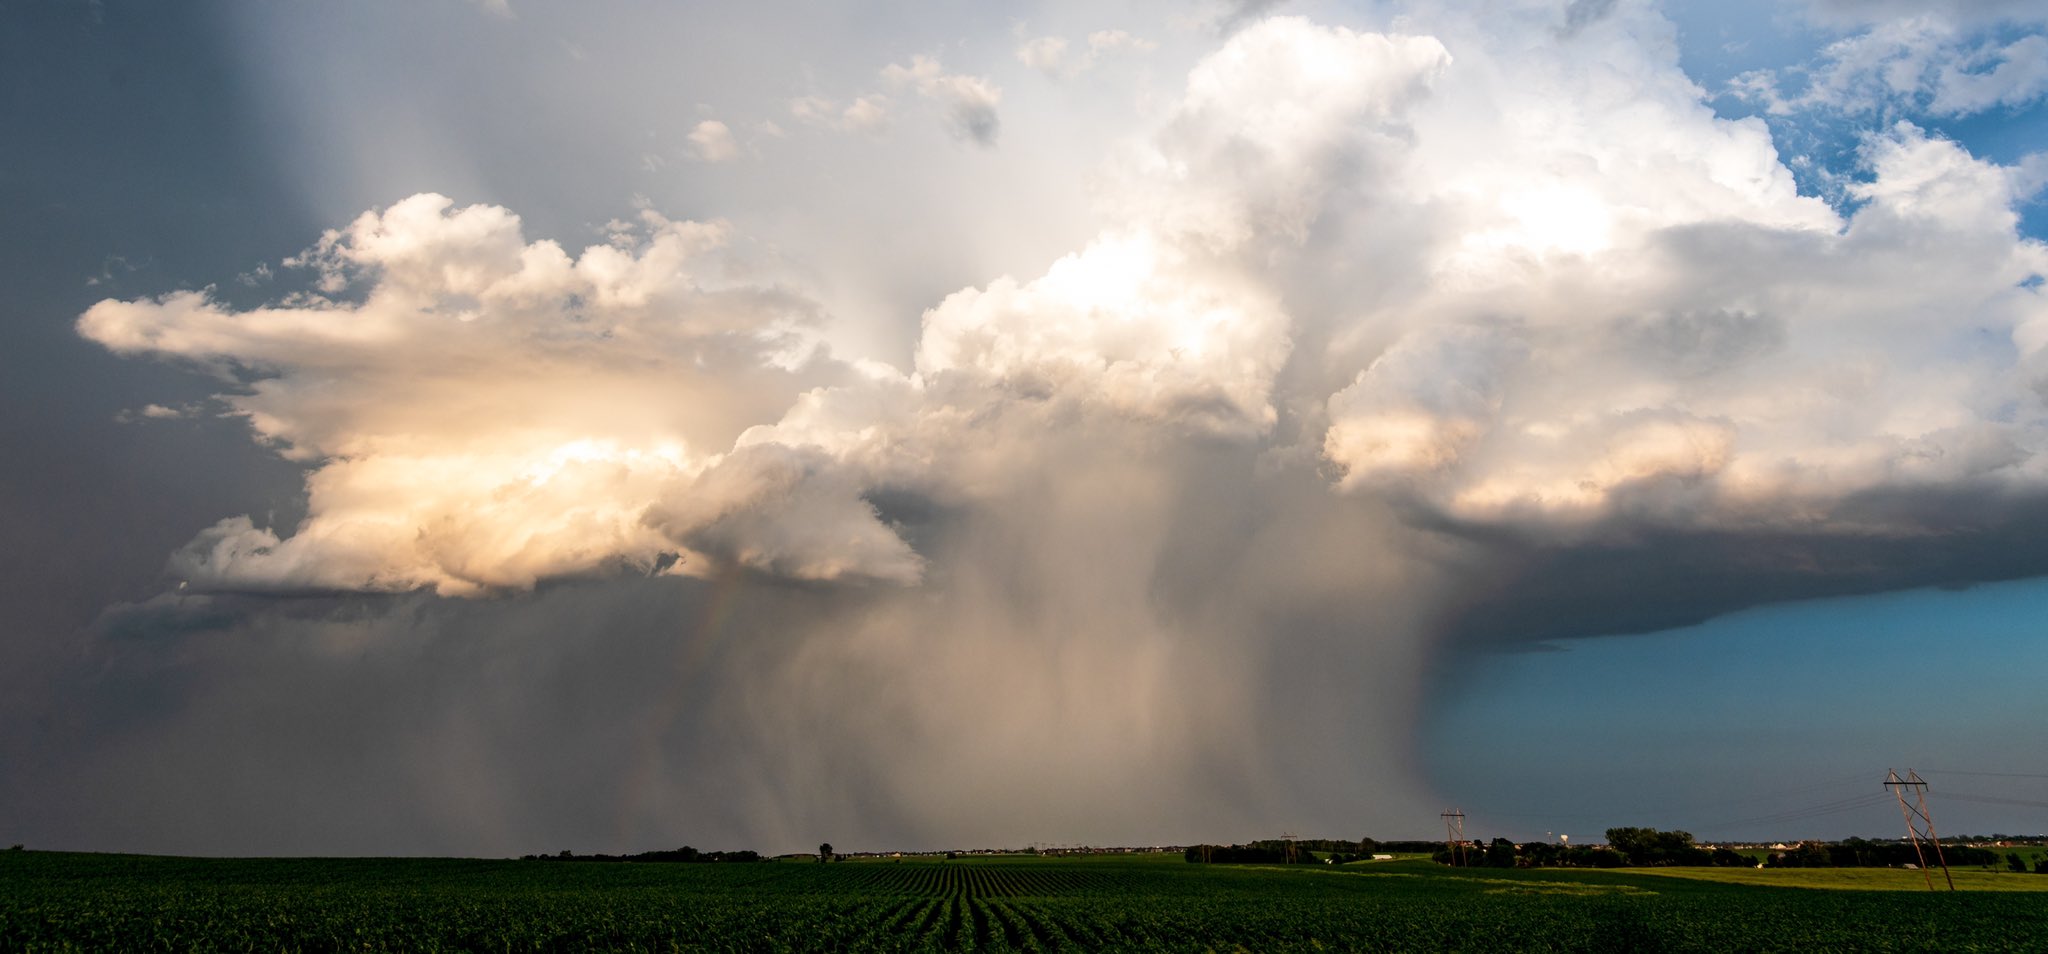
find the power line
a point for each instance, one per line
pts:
(1680, 806)
(1811, 811)
(1993, 800)
(1988, 774)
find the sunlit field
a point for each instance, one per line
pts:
(51, 901)
(1859, 879)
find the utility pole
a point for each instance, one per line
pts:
(1916, 816)
(1454, 836)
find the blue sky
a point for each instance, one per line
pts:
(491, 427)
(1756, 724)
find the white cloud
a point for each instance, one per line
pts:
(969, 101)
(1052, 56)
(1992, 76)
(494, 412)
(1131, 322)
(789, 512)
(1165, 316)
(1046, 54)
(1925, 64)
(867, 114)
(1972, 12)
(814, 110)
(154, 412)
(1416, 409)
(1737, 372)
(1269, 128)
(711, 141)
(1113, 41)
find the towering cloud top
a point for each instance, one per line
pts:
(1542, 291)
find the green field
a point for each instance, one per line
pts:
(52, 901)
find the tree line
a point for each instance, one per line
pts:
(683, 855)
(1862, 853)
(1626, 847)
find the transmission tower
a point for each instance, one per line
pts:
(1289, 839)
(1454, 836)
(1919, 822)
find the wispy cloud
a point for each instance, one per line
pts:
(1920, 65)
(1052, 56)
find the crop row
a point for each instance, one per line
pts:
(267, 921)
(976, 881)
(53, 903)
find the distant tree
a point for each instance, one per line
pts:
(1580, 856)
(1963, 856)
(825, 852)
(1634, 843)
(2015, 862)
(1648, 846)
(1500, 854)
(1730, 858)
(2041, 867)
(1541, 854)
(1856, 853)
(1809, 854)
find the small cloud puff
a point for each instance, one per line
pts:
(866, 114)
(711, 141)
(969, 101)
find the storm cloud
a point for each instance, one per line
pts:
(1380, 345)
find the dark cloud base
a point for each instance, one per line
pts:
(1528, 593)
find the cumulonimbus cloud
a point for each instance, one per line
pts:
(1631, 315)
(1364, 312)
